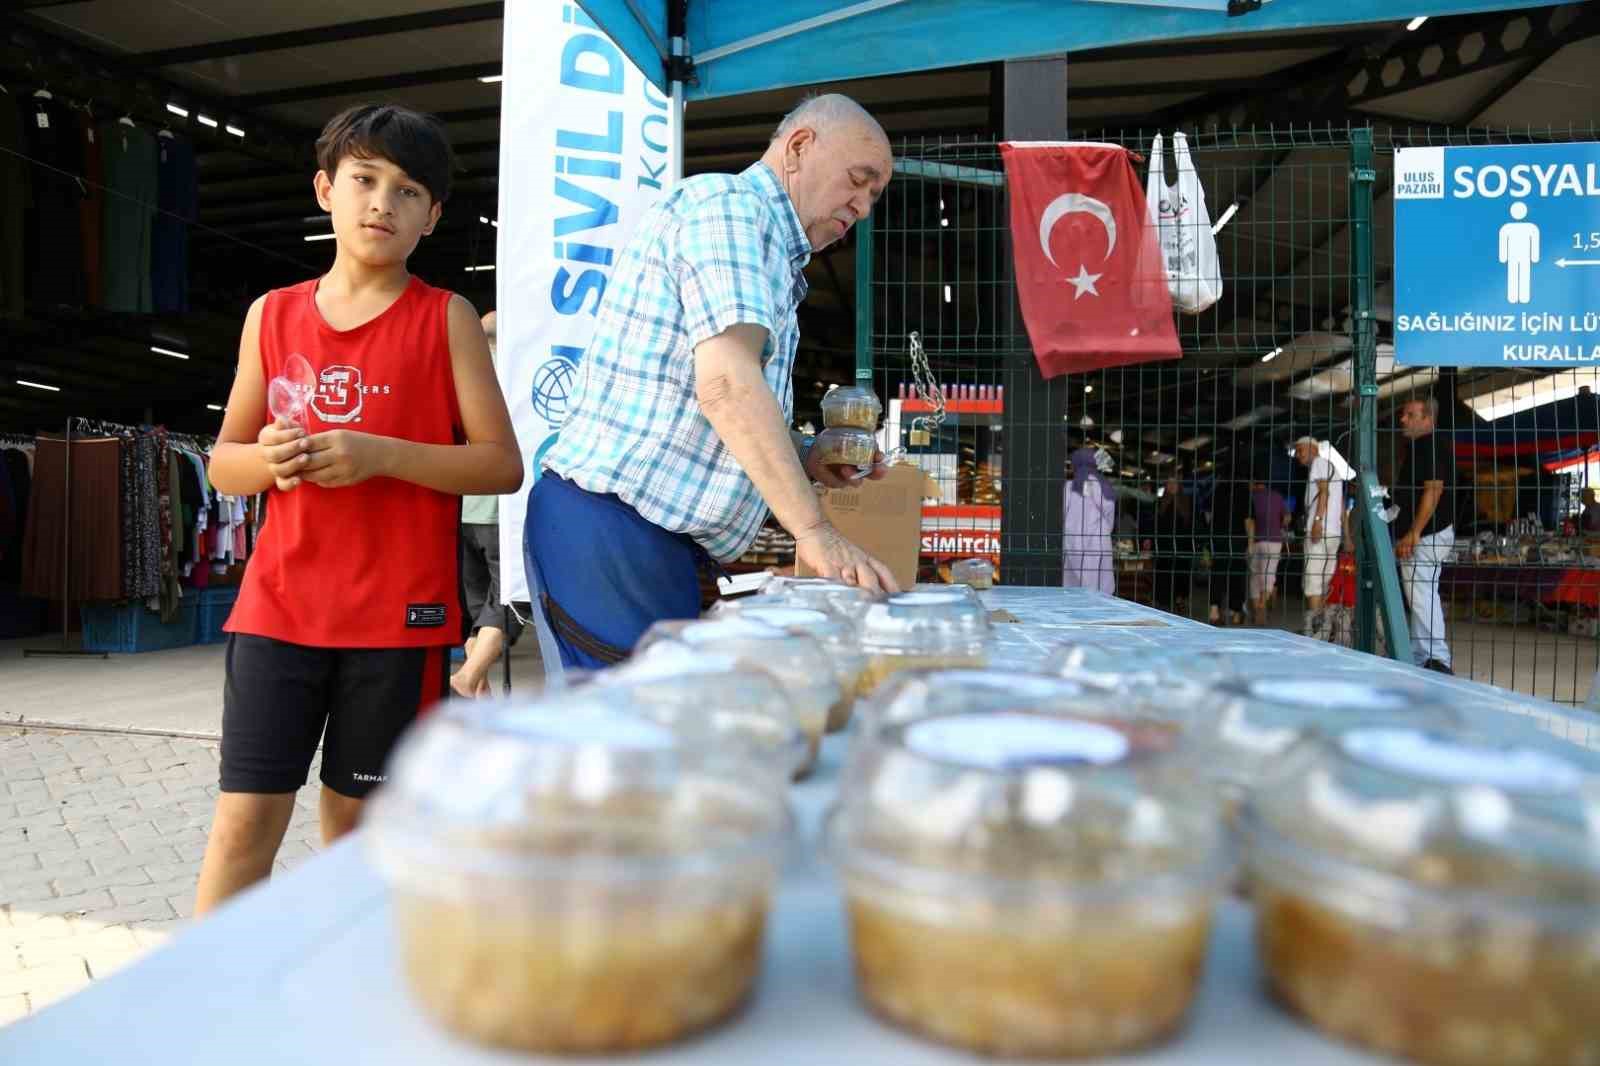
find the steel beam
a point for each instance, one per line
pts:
(341, 31)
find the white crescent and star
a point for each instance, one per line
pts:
(1061, 207)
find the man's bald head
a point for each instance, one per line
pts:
(834, 161)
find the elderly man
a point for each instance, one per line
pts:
(677, 442)
(1324, 515)
(1425, 526)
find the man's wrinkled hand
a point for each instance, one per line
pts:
(343, 457)
(285, 449)
(828, 554)
(843, 475)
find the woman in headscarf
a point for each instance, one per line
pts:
(1089, 508)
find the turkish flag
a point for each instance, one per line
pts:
(1089, 269)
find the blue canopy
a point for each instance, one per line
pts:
(742, 46)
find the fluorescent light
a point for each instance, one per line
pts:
(207, 120)
(1088, 389)
(322, 236)
(1416, 23)
(168, 351)
(947, 294)
(176, 110)
(488, 266)
(1270, 356)
(944, 222)
(1232, 210)
(235, 130)
(214, 407)
(492, 79)
(36, 385)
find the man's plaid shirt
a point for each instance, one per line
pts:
(719, 250)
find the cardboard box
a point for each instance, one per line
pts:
(883, 518)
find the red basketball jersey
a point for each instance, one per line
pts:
(372, 565)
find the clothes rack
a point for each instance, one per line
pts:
(66, 652)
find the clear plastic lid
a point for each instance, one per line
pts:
(516, 791)
(925, 623)
(974, 573)
(851, 405)
(845, 446)
(917, 694)
(835, 634)
(1374, 814)
(709, 699)
(989, 783)
(1247, 724)
(799, 663)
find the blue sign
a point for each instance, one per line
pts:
(1497, 255)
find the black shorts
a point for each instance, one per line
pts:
(278, 698)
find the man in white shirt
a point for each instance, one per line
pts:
(1324, 515)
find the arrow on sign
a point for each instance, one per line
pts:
(1578, 263)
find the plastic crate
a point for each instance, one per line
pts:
(132, 627)
(215, 606)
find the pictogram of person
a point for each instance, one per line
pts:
(1519, 250)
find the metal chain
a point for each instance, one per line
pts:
(926, 385)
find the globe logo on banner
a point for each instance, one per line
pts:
(552, 389)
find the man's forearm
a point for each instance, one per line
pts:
(1431, 494)
(740, 406)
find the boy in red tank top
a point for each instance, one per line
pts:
(351, 602)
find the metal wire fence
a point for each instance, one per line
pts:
(1212, 513)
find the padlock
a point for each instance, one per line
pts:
(921, 438)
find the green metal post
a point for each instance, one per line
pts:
(1378, 589)
(864, 301)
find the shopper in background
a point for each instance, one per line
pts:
(1173, 547)
(1324, 518)
(1590, 522)
(1425, 477)
(1265, 528)
(1089, 511)
(1230, 539)
(480, 580)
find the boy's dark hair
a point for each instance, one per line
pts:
(411, 140)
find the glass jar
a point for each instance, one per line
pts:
(845, 446)
(1030, 865)
(1435, 896)
(799, 663)
(852, 405)
(572, 877)
(923, 631)
(975, 573)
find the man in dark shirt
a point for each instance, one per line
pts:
(1425, 527)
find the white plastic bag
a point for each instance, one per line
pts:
(1183, 225)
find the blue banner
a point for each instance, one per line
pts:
(1497, 255)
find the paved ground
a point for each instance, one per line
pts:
(100, 843)
(103, 823)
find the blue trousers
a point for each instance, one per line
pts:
(605, 572)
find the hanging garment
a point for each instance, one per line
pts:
(130, 164)
(90, 558)
(91, 210)
(178, 197)
(14, 193)
(54, 241)
(19, 473)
